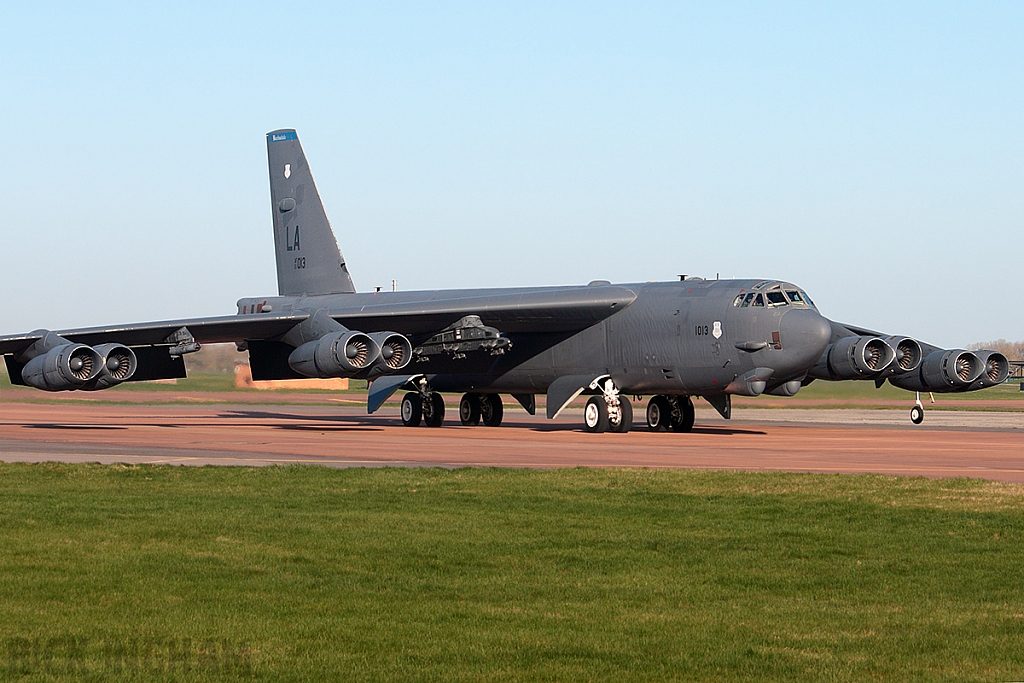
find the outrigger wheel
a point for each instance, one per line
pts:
(917, 412)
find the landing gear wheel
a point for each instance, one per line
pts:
(659, 413)
(626, 418)
(469, 409)
(682, 414)
(595, 415)
(491, 410)
(917, 415)
(433, 410)
(412, 409)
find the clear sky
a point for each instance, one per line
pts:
(871, 153)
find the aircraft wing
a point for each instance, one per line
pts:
(856, 330)
(531, 311)
(205, 330)
(563, 310)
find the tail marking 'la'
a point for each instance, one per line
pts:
(308, 258)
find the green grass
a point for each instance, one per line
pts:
(163, 573)
(866, 390)
(198, 382)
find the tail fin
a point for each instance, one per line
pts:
(308, 258)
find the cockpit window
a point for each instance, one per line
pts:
(794, 297)
(758, 302)
(776, 298)
(806, 298)
(747, 299)
(738, 300)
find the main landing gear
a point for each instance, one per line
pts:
(424, 405)
(609, 411)
(427, 407)
(670, 412)
(474, 408)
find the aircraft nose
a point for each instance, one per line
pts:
(804, 334)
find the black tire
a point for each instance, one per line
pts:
(682, 417)
(917, 415)
(659, 413)
(595, 415)
(491, 410)
(435, 416)
(469, 409)
(626, 421)
(412, 409)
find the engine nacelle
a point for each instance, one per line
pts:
(908, 355)
(395, 353)
(119, 364)
(338, 354)
(995, 370)
(950, 369)
(63, 368)
(854, 358)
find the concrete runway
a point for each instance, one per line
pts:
(987, 445)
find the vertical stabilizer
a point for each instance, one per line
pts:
(308, 258)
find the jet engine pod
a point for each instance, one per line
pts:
(950, 369)
(63, 368)
(395, 353)
(854, 358)
(995, 369)
(908, 355)
(338, 354)
(119, 364)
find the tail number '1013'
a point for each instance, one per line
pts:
(300, 263)
(702, 330)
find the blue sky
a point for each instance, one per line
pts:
(872, 154)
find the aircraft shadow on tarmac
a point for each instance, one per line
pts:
(326, 428)
(567, 427)
(45, 425)
(353, 423)
(726, 431)
(371, 424)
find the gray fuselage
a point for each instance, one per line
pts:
(689, 337)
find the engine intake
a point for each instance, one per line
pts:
(995, 370)
(954, 368)
(908, 355)
(854, 358)
(63, 368)
(119, 364)
(338, 354)
(395, 353)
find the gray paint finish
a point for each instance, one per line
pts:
(692, 337)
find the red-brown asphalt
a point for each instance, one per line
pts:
(345, 436)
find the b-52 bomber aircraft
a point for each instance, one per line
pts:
(670, 341)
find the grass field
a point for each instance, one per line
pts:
(175, 573)
(201, 382)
